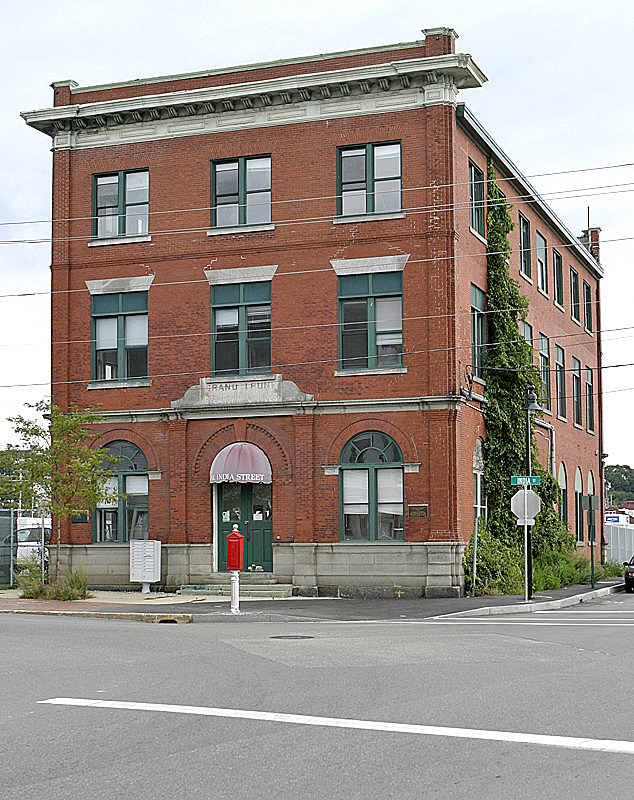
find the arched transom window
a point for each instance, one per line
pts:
(126, 517)
(371, 488)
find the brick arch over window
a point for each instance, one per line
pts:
(257, 435)
(131, 435)
(402, 439)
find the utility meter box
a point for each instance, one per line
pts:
(145, 561)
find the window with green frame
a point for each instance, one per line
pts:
(371, 489)
(576, 391)
(120, 336)
(127, 517)
(558, 279)
(478, 330)
(574, 294)
(371, 320)
(525, 246)
(241, 328)
(120, 204)
(476, 198)
(544, 370)
(587, 307)
(369, 179)
(541, 251)
(560, 381)
(589, 399)
(241, 191)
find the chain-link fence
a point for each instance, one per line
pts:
(8, 546)
(22, 539)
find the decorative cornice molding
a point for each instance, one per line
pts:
(372, 88)
(282, 409)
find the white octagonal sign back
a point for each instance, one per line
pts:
(533, 504)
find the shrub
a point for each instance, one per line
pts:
(30, 580)
(67, 587)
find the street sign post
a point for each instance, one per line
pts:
(526, 504)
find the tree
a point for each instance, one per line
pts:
(60, 470)
(620, 479)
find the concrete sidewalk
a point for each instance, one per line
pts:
(175, 608)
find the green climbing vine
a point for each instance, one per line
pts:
(508, 370)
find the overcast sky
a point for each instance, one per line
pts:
(558, 99)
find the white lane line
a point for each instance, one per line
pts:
(570, 742)
(541, 623)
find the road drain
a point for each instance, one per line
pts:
(291, 637)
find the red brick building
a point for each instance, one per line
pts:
(272, 279)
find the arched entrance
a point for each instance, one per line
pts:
(242, 473)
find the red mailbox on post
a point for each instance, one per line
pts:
(235, 547)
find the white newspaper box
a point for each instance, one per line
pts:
(145, 562)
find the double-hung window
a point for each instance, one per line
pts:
(369, 179)
(544, 370)
(589, 399)
(241, 191)
(478, 331)
(241, 328)
(574, 294)
(121, 204)
(371, 489)
(525, 246)
(558, 277)
(371, 320)
(576, 391)
(542, 266)
(560, 380)
(476, 198)
(587, 307)
(125, 515)
(526, 330)
(120, 336)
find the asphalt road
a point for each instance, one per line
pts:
(516, 706)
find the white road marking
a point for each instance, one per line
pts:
(570, 742)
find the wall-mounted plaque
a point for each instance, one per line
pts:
(418, 512)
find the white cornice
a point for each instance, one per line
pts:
(373, 88)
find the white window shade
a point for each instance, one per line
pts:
(388, 314)
(106, 333)
(136, 484)
(355, 491)
(390, 490)
(136, 331)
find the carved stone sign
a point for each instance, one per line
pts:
(418, 512)
(242, 391)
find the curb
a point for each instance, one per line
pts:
(531, 607)
(133, 616)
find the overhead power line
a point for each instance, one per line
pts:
(425, 187)
(411, 211)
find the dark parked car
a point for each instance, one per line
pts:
(629, 575)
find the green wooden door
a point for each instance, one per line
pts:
(248, 505)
